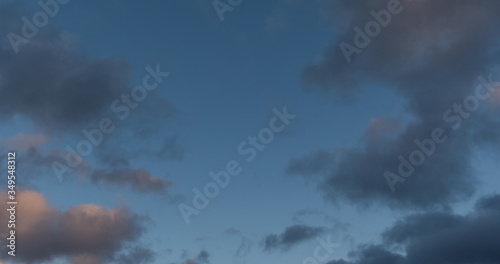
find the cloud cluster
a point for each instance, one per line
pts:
(83, 234)
(61, 91)
(437, 237)
(30, 148)
(431, 55)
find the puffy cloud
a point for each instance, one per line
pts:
(83, 234)
(438, 237)
(48, 69)
(372, 254)
(52, 84)
(430, 54)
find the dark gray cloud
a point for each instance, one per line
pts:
(292, 236)
(438, 237)
(62, 91)
(489, 203)
(372, 254)
(52, 83)
(83, 234)
(430, 54)
(37, 162)
(29, 148)
(415, 225)
(139, 180)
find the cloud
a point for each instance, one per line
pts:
(61, 91)
(381, 128)
(21, 141)
(51, 81)
(37, 161)
(292, 236)
(438, 237)
(431, 55)
(139, 180)
(372, 255)
(49, 68)
(84, 234)
(489, 203)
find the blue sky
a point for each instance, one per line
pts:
(322, 177)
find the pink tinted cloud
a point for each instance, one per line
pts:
(21, 141)
(87, 233)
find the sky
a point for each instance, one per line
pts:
(237, 131)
